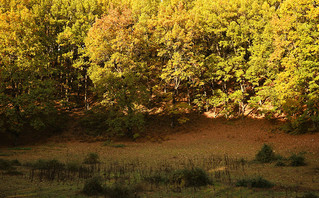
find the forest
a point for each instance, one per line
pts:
(118, 62)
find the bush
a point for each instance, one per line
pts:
(5, 165)
(266, 154)
(119, 191)
(93, 186)
(310, 195)
(280, 163)
(297, 160)
(255, 182)
(112, 122)
(190, 178)
(92, 158)
(73, 166)
(95, 122)
(156, 178)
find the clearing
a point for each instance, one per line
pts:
(201, 139)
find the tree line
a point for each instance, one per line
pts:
(122, 60)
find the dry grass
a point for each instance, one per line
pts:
(200, 139)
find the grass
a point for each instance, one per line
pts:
(153, 170)
(184, 177)
(111, 144)
(255, 182)
(20, 148)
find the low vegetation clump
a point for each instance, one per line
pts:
(93, 186)
(119, 190)
(156, 178)
(255, 182)
(266, 154)
(310, 195)
(297, 160)
(92, 158)
(9, 165)
(280, 163)
(190, 178)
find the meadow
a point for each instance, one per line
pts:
(205, 158)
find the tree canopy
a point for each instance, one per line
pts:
(133, 58)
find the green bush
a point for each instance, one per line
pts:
(5, 165)
(265, 155)
(95, 122)
(112, 122)
(92, 158)
(255, 182)
(156, 178)
(190, 178)
(297, 160)
(73, 166)
(119, 191)
(93, 186)
(310, 195)
(8, 165)
(280, 163)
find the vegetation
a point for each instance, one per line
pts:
(255, 182)
(91, 158)
(297, 160)
(266, 154)
(195, 177)
(129, 58)
(93, 186)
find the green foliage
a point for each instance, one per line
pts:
(5, 165)
(195, 177)
(297, 160)
(156, 178)
(254, 182)
(92, 158)
(265, 155)
(111, 122)
(119, 190)
(280, 163)
(93, 186)
(310, 195)
(131, 57)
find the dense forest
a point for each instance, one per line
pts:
(120, 61)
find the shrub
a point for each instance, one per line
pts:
(92, 158)
(266, 154)
(112, 122)
(190, 178)
(73, 166)
(15, 162)
(310, 195)
(255, 182)
(280, 163)
(5, 165)
(93, 186)
(297, 160)
(118, 191)
(156, 178)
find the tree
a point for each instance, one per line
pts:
(116, 69)
(26, 90)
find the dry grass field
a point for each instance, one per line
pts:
(225, 149)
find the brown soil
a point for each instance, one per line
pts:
(202, 135)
